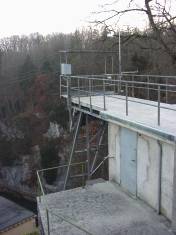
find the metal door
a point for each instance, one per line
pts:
(128, 145)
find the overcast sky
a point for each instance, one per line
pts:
(19, 17)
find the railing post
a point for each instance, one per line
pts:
(159, 101)
(48, 222)
(133, 86)
(104, 97)
(79, 93)
(126, 86)
(119, 84)
(166, 90)
(105, 66)
(90, 96)
(69, 99)
(148, 88)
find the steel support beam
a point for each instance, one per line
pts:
(97, 151)
(73, 148)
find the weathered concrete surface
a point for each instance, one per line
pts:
(148, 154)
(174, 196)
(151, 155)
(140, 114)
(167, 183)
(102, 209)
(114, 152)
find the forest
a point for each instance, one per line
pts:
(33, 119)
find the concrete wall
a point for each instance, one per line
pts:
(114, 152)
(148, 154)
(154, 183)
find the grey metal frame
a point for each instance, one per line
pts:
(114, 80)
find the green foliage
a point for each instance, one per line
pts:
(49, 158)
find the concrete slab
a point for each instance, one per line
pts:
(138, 113)
(102, 209)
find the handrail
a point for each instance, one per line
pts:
(119, 81)
(106, 83)
(61, 216)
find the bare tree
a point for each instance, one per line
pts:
(159, 13)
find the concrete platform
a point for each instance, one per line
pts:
(102, 209)
(140, 115)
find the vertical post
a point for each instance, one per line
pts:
(120, 61)
(79, 93)
(82, 166)
(132, 85)
(105, 65)
(88, 146)
(126, 86)
(159, 101)
(69, 100)
(90, 95)
(112, 67)
(48, 222)
(148, 88)
(104, 97)
(72, 149)
(166, 90)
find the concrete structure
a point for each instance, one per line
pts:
(141, 157)
(154, 148)
(101, 208)
(15, 220)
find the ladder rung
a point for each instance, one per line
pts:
(79, 175)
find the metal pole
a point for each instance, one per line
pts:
(132, 86)
(112, 61)
(148, 88)
(82, 166)
(120, 60)
(159, 101)
(73, 148)
(90, 97)
(105, 68)
(126, 86)
(166, 90)
(88, 146)
(69, 100)
(104, 97)
(48, 223)
(79, 93)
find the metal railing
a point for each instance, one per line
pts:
(49, 212)
(161, 89)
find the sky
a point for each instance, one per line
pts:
(19, 17)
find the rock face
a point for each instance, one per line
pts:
(21, 176)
